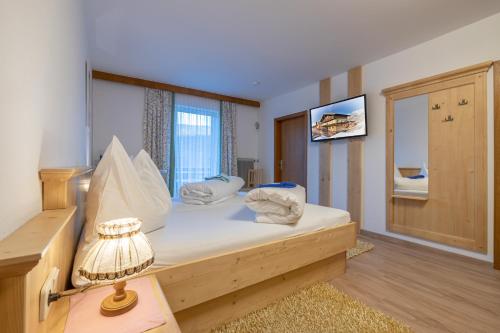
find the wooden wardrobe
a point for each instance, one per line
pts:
(454, 212)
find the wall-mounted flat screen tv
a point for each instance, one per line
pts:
(339, 120)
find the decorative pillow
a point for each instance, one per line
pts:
(117, 191)
(152, 180)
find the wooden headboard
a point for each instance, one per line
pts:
(409, 171)
(47, 240)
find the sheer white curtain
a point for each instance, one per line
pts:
(197, 139)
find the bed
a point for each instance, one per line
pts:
(405, 186)
(194, 232)
(209, 274)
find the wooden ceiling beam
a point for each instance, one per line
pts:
(99, 75)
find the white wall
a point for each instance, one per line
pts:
(411, 131)
(118, 110)
(42, 100)
(467, 46)
(247, 136)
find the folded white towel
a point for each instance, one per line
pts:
(210, 191)
(277, 205)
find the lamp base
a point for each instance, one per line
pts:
(119, 302)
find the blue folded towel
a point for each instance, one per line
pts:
(280, 185)
(221, 177)
(416, 177)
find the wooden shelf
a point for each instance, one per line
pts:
(410, 197)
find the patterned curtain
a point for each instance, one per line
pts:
(157, 129)
(228, 133)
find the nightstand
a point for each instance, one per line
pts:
(60, 310)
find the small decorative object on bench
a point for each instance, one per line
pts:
(121, 239)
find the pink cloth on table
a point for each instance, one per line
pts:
(85, 316)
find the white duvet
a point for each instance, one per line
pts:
(277, 205)
(210, 191)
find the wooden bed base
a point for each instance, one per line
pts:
(213, 290)
(202, 293)
(204, 316)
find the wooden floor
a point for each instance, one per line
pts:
(429, 290)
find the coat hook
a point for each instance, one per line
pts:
(436, 107)
(463, 102)
(448, 118)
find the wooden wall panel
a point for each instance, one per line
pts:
(325, 152)
(13, 304)
(355, 160)
(47, 240)
(496, 254)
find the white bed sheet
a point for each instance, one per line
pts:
(194, 232)
(408, 184)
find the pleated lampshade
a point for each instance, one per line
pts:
(121, 252)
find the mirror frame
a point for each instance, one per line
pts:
(402, 196)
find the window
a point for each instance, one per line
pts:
(197, 138)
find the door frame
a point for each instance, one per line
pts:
(496, 182)
(277, 142)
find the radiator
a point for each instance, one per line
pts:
(245, 164)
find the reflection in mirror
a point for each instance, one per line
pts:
(411, 137)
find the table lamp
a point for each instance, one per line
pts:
(121, 252)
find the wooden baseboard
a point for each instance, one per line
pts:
(203, 317)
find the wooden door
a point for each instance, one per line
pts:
(291, 149)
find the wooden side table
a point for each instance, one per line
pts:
(59, 312)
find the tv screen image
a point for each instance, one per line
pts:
(342, 119)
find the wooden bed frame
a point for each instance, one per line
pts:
(201, 293)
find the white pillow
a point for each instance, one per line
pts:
(424, 171)
(153, 181)
(397, 173)
(117, 191)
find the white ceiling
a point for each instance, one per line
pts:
(225, 45)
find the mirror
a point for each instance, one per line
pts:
(411, 142)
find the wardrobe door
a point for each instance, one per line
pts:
(451, 162)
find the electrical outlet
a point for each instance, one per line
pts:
(49, 286)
